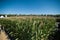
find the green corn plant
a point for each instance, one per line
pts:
(29, 29)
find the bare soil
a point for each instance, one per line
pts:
(3, 36)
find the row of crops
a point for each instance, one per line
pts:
(29, 29)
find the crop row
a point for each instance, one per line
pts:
(28, 29)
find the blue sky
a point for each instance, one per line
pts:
(29, 6)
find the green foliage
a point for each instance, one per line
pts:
(29, 29)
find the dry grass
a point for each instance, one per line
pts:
(3, 36)
(25, 17)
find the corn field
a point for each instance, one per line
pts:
(29, 29)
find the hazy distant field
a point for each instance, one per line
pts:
(25, 17)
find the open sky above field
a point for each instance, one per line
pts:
(29, 6)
